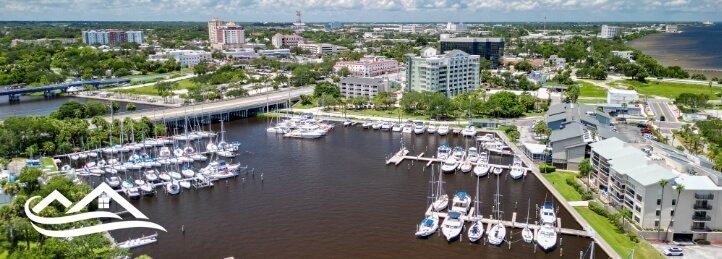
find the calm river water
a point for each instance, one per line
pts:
(330, 198)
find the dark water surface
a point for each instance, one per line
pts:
(331, 198)
(42, 106)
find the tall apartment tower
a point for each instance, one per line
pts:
(212, 30)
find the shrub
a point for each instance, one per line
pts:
(633, 237)
(544, 168)
(580, 189)
(596, 208)
(701, 242)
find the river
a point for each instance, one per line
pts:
(332, 197)
(43, 106)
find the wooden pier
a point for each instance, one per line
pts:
(403, 154)
(513, 224)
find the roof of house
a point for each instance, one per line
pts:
(650, 174)
(362, 80)
(535, 148)
(570, 130)
(696, 183)
(606, 133)
(557, 108)
(556, 117)
(608, 147)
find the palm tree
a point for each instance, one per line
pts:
(679, 188)
(624, 105)
(662, 183)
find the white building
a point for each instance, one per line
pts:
(557, 61)
(213, 30)
(409, 28)
(456, 27)
(608, 32)
(134, 36)
(362, 86)
(452, 73)
(671, 29)
(186, 58)
(630, 178)
(319, 48)
(280, 40)
(627, 54)
(225, 36)
(619, 96)
(369, 66)
(96, 37)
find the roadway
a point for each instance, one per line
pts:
(219, 106)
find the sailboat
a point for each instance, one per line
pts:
(498, 232)
(526, 234)
(477, 227)
(224, 149)
(441, 199)
(430, 223)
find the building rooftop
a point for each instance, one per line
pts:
(362, 80)
(696, 183)
(621, 91)
(651, 174)
(557, 109)
(571, 130)
(472, 40)
(608, 147)
(535, 148)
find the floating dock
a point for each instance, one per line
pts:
(403, 154)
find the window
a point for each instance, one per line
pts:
(637, 208)
(639, 197)
(636, 219)
(674, 202)
(671, 213)
(671, 223)
(657, 213)
(656, 223)
(659, 202)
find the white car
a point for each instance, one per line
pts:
(674, 251)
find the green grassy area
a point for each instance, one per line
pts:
(48, 161)
(666, 89)
(150, 90)
(592, 101)
(390, 113)
(618, 241)
(185, 83)
(587, 89)
(21, 246)
(534, 114)
(558, 179)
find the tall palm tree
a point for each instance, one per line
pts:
(662, 183)
(679, 188)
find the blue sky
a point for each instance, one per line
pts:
(362, 10)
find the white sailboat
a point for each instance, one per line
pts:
(441, 200)
(526, 234)
(430, 223)
(476, 231)
(172, 187)
(498, 232)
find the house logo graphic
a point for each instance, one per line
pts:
(104, 194)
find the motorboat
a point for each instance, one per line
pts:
(516, 171)
(311, 134)
(466, 166)
(458, 153)
(408, 127)
(432, 128)
(496, 147)
(481, 168)
(469, 131)
(226, 153)
(443, 129)
(461, 203)
(387, 125)
(546, 237)
(452, 226)
(199, 157)
(443, 151)
(397, 128)
(133, 243)
(172, 187)
(476, 231)
(151, 176)
(441, 199)
(517, 160)
(419, 128)
(472, 154)
(497, 170)
(547, 214)
(489, 137)
(185, 184)
(130, 190)
(367, 124)
(456, 130)
(347, 122)
(428, 225)
(449, 165)
(113, 181)
(376, 125)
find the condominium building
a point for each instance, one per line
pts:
(186, 58)
(369, 66)
(452, 73)
(319, 48)
(212, 30)
(626, 54)
(225, 35)
(488, 48)
(629, 175)
(608, 32)
(112, 37)
(281, 40)
(362, 86)
(333, 26)
(409, 28)
(456, 27)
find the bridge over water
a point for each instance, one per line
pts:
(49, 90)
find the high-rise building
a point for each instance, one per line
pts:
(212, 30)
(280, 40)
(671, 29)
(452, 73)
(225, 35)
(491, 49)
(456, 27)
(608, 32)
(134, 36)
(112, 37)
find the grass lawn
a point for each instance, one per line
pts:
(390, 113)
(150, 90)
(534, 114)
(666, 89)
(592, 101)
(559, 181)
(587, 89)
(618, 241)
(185, 83)
(48, 161)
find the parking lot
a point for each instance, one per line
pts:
(695, 251)
(631, 131)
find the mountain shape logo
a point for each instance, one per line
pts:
(104, 193)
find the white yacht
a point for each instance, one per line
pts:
(419, 128)
(441, 199)
(472, 154)
(432, 128)
(172, 187)
(367, 124)
(461, 203)
(516, 171)
(113, 181)
(498, 232)
(452, 226)
(347, 122)
(133, 243)
(376, 125)
(466, 166)
(489, 137)
(477, 227)
(449, 165)
(130, 190)
(443, 152)
(387, 125)
(546, 237)
(443, 130)
(547, 213)
(482, 165)
(458, 153)
(397, 127)
(408, 127)
(496, 147)
(469, 131)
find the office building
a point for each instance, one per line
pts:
(487, 48)
(186, 58)
(225, 35)
(281, 40)
(619, 96)
(112, 37)
(319, 48)
(627, 54)
(671, 29)
(362, 86)
(369, 66)
(608, 32)
(629, 176)
(333, 26)
(456, 27)
(452, 73)
(409, 28)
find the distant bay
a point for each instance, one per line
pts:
(693, 48)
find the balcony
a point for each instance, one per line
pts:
(701, 218)
(701, 228)
(703, 207)
(704, 196)
(617, 199)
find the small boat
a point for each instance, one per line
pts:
(387, 125)
(526, 234)
(419, 128)
(516, 172)
(188, 172)
(151, 176)
(185, 184)
(469, 131)
(456, 130)
(458, 153)
(74, 156)
(443, 151)
(148, 189)
(347, 122)
(476, 231)
(66, 168)
(172, 187)
(489, 137)
(408, 127)
(367, 124)
(497, 170)
(430, 223)
(376, 125)
(461, 203)
(130, 190)
(397, 128)
(547, 213)
(449, 165)
(133, 243)
(92, 154)
(441, 199)
(547, 237)
(164, 177)
(482, 167)
(498, 232)
(465, 166)
(452, 226)
(432, 128)
(175, 175)
(443, 129)
(472, 154)
(113, 181)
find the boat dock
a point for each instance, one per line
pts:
(513, 224)
(403, 154)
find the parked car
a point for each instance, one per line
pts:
(622, 119)
(674, 251)
(662, 118)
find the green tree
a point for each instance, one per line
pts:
(130, 107)
(200, 69)
(343, 72)
(700, 77)
(585, 168)
(383, 99)
(573, 92)
(504, 104)
(326, 88)
(662, 184)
